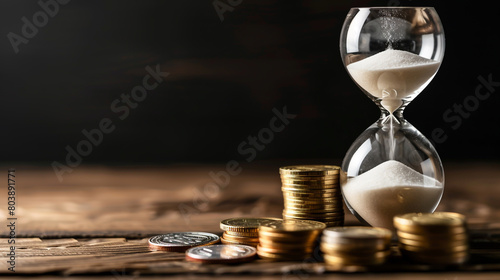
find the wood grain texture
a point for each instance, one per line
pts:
(98, 219)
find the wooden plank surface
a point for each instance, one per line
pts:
(96, 221)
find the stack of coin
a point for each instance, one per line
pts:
(359, 246)
(433, 238)
(243, 231)
(288, 239)
(312, 192)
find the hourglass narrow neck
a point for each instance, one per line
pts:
(397, 116)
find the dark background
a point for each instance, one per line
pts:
(225, 79)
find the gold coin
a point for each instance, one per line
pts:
(327, 221)
(292, 226)
(312, 195)
(364, 260)
(286, 244)
(315, 218)
(434, 250)
(356, 233)
(435, 236)
(310, 177)
(240, 238)
(284, 250)
(230, 242)
(361, 247)
(321, 182)
(432, 243)
(244, 224)
(302, 206)
(242, 234)
(360, 255)
(302, 214)
(317, 211)
(282, 257)
(310, 187)
(308, 190)
(310, 170)
(309, 241)
(288, 237)
(441, 221)
(313, 201)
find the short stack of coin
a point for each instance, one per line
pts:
(355, 246)
(292, 240)
(242, 231)
(433, 238)
(312, 192)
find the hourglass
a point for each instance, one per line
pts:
(391, 168)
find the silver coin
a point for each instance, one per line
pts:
(221, 253)
(182, 240)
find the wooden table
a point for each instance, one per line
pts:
(97, 221)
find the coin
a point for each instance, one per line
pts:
(432, 244)
(321, 219)
(437, 221)
(244, 224)
(311, 195)
(365, 260)
(254, 234)
(434, 249)
(288, 236)
(282, 257)
(439, 238)
(234, 238)
(225, 241)
(328, 246)
(288, 243)
(310, 207)
(316, 192)
(181, 241)
(358, 233)
(435, 236)
(309, 187)
(326, 201)
(221, 253)
(292, 226)
(334, 216)
(320, 182)
(310, 170)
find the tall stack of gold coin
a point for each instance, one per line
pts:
(242, 231)
(434, 238)
(288, 239)
(360, 246)
(312, 192)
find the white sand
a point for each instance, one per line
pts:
(390, 189)
(392, 75)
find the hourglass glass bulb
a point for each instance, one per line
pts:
(393, 76)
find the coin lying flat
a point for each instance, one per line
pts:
(181, 241)
(244, 224)
(310, 170)
(292, 226)
(421, 222)
(358, 233)
(221, 253)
